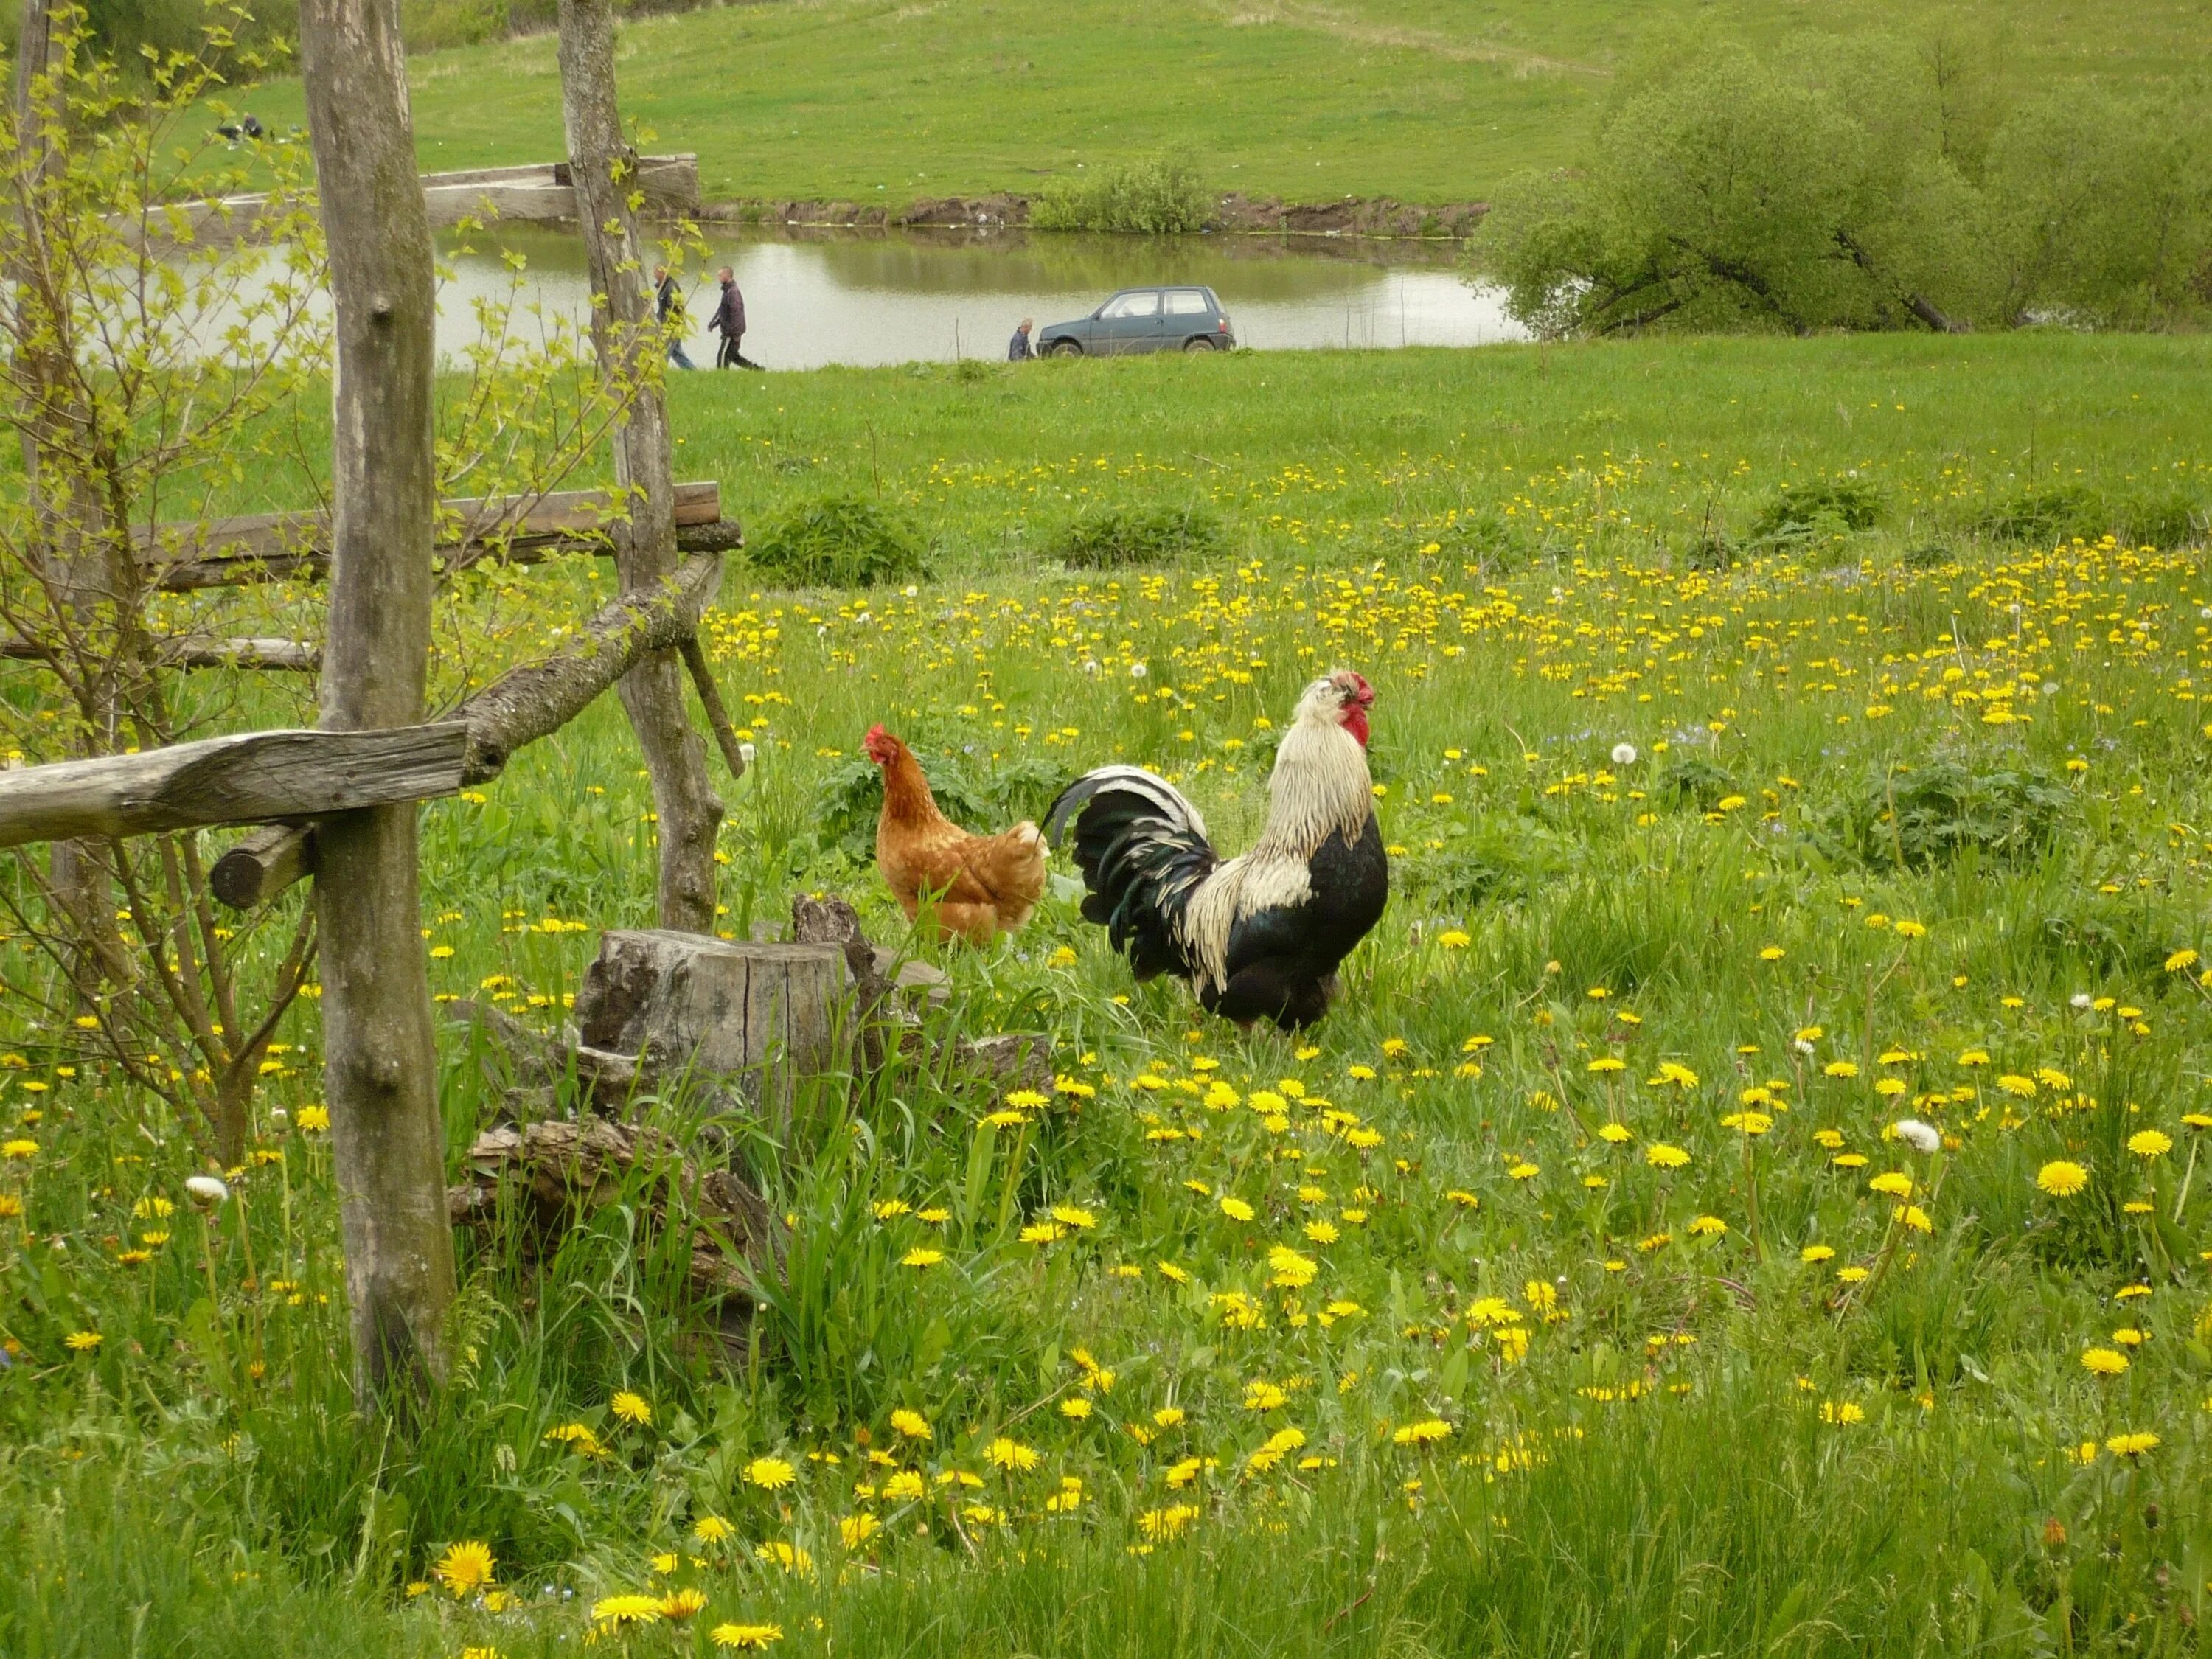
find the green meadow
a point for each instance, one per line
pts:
(1776, 740)
(858, 100)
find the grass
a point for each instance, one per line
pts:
(1548, 1391)
(853, 99)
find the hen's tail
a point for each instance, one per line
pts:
(1143, 851)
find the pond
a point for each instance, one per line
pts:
(862, 297)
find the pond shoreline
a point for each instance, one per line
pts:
(1379, 218)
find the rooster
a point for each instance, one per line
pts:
(1261, 934)
(976, 886)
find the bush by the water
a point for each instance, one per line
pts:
(1107, 535)
(839, 541)
(1156, 196)
(1845, 188)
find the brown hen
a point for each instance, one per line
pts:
(975, 886)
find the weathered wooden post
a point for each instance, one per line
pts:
(380, 1059)
(602, 171)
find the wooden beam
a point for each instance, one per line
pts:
(710, 699)
(297, 544)
(526, 703)
(630, 344)
(378, 1040)
(252, 779)
(288, 656)
(263, 864)
(519, 708)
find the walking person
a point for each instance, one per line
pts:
(1018, 349)
(729, 322)
(668, 310)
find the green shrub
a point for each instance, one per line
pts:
(1154, 197)
(1693, 781)
(1802, 511)
(2059, 512)
(1933, 813)
(839, 541)
(2166, 521)
(1107, 535)
(2052, 513)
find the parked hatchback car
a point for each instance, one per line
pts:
(1145, 319)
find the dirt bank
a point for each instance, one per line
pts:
(1235, 213)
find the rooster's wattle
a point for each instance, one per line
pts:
(1262, 933)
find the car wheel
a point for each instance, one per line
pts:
(1199, 342)
(1063, 349)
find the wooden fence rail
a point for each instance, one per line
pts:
(264, 547)
(283, 777)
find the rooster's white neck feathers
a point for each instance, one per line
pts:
(1320, 787)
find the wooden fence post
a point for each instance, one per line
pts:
(602, 168)
(380, 1058)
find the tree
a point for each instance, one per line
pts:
(1838, 190)
(141, 369)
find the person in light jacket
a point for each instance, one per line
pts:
(729, 322)
(668, 310)
(1018, 349)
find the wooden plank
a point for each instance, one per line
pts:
(288, 656)
(256, 778)
(537, 193)
(297, 544)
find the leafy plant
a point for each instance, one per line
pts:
(840, 540)
(1109, 536)
(1693, 781)
(1799, 512)
(1933, 813)
(2051, 512)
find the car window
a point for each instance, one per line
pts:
(1186, 303)
(1146, 304)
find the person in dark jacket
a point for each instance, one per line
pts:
(1018, 349)
(729, 322)
(668, 310)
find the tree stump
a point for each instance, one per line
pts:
(761, 1015)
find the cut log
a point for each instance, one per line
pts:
(263, 866)
(253, 779)
(558, 1172)
(762, 1015)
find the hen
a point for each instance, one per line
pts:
(1262, 933)
(975, 886)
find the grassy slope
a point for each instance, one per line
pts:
(1416, 98)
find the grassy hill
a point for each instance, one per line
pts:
(1416, 98)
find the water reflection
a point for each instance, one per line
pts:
(813, 298)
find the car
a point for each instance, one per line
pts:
(1143, 320)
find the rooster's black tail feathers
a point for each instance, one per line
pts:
(1143, 851)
